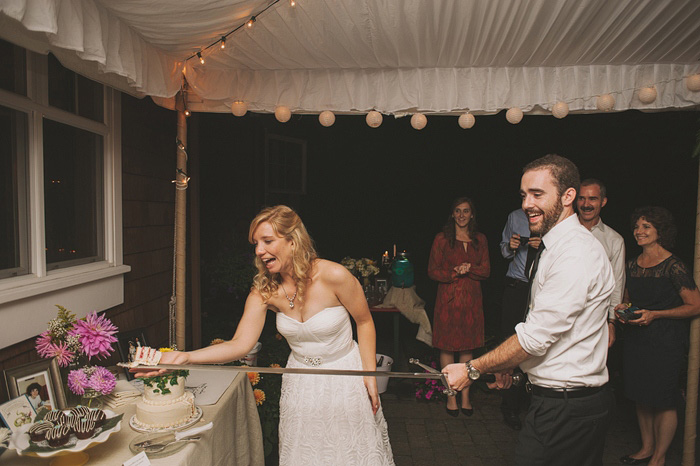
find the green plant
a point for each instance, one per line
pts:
(162, 382)
(231, 272)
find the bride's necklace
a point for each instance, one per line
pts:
(291, 300)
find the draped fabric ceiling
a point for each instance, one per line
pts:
(395, 56)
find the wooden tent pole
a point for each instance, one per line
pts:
(181, 230)
(691, 406)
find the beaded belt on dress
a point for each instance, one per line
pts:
(315, 361)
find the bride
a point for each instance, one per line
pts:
(330, 420)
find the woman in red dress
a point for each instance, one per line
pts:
(459, 259)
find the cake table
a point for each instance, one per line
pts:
(236, 438)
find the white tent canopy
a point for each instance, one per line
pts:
(400, 56)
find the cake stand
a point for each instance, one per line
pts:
(73, 453)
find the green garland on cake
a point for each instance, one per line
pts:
(162, 381)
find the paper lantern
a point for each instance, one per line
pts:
(326, 118)
(647, 95)
(560, 110)
(466, 120)
(693, 82)
(283, 114)
(239, 108)
(514, 115)
(605, 102)
(418, 121)
(374, 119)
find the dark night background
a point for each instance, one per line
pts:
(368, 189)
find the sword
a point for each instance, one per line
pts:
(433, 374)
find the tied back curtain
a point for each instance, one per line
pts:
(395, 56)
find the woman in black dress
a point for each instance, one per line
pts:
(656, 337)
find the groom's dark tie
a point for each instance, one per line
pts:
(532, 272)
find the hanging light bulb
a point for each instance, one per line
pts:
(560, 110)
(187, 113)
(374, 119)
(514, 115)
(418, 121)
(466, 120)
(239, 108)
(326, 118)
(201, 58)
(250, 22)
(283, 114)
(223, 42)
(605, 102)
(292, 3)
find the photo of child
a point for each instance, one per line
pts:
(38, 389)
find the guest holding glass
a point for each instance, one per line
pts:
(664, 296)
(459, 259)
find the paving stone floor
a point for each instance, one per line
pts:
(422, 433)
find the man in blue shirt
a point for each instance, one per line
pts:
(516, 248)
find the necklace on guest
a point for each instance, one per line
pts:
(291, 300)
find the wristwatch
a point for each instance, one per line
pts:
(472, 372)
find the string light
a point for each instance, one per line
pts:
(292, 3)
(222, 41)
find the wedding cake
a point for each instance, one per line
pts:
(165, 403)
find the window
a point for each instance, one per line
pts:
(14, 258)
(60, 193)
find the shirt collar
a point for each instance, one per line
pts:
(561, 230)
(600, 225)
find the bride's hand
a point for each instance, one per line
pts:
(371, 386)
(169, 357)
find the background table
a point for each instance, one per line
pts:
(236, 438)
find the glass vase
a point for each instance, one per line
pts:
(91, 398)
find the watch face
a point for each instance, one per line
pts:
(474, 373)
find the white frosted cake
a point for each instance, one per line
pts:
(165, 403)
(165, 410)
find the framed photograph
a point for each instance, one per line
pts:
(382, 286)
(40, 381)
(127, 342)
(17, 412)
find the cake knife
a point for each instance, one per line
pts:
(174, 436)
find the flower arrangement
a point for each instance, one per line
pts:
(67, 339)
(362, 268)
(162, 383)
(430, 389)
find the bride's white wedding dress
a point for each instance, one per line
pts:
(327, 420)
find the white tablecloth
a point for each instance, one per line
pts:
(236, 438)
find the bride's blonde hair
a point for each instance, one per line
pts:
(287, 224)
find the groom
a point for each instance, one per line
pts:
(562, 344)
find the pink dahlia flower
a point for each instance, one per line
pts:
(102, 380)
(62, 354)
(96, 335)
(77, 381)
(44, 345)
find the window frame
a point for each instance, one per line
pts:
(41, 285)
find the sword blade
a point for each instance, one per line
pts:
(296, 370)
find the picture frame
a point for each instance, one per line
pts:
(40, 381)
(127, 342)
(17, 412)
(382, 286)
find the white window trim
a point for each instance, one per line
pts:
(26, 301)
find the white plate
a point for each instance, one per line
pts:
(148, 430)
(20, 440)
